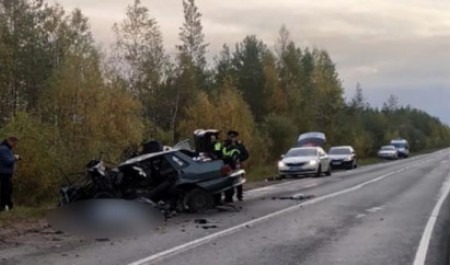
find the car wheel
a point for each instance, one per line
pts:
(352, 165)
(328, 173)
(319, 171)
(198, 200)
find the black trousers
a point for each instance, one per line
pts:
(230, 193)
(5, 191)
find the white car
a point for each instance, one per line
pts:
(304, 161)
(402, 147)
(388, 152)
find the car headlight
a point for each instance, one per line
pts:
(349, 158)
(281, 164)
(313, 162)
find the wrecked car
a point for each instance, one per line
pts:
(175, 177)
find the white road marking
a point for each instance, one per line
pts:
(311, 185)
(203, 240)
(374, 209)
(422, 250)
(361, 215)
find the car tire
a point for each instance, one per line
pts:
(319, 171)
(198, 200)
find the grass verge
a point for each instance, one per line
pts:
(261, 173)
(22, 213)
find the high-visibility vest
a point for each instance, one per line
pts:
(218, 147)
(230, 153)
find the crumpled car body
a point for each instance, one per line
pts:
(176, 177)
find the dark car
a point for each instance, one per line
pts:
(176, 177)
(343, 157)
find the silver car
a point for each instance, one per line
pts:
(388, 152)
(304, 161)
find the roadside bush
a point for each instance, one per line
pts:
(37, 174)
(282, 132)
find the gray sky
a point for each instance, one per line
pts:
(391, 47)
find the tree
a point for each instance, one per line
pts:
(274, 96)
(23, 57)
(290, 72)
(193, 46)
(249, 66)
(283, 41)
(391, 104)
(358, 103)
(329, 94)
(86, 115)
(282, 133)
(140, 53)
(190, 73)
(201, 114)
(233, 112)
(224, 66)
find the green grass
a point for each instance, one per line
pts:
(369, 161)
(261, 173)
(21, 213)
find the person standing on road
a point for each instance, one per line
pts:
(231, 157)
(7, 163)
(243, 156)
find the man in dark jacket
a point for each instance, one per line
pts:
(7, 161)
(232, 156)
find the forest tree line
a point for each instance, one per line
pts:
(68, 99)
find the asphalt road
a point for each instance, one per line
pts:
(390, 213)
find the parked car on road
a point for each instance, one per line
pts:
(402, 147)
(343, 157)
(388, 152)
(304, 161)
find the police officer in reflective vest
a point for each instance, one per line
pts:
(231, 156)
(216, 148)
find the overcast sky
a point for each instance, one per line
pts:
(397, 47)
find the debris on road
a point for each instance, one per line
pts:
(273, 179)
(102, 239)
(209, 226)
(201, 221)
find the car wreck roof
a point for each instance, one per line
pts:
(147, 156)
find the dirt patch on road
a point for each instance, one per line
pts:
(32, 233)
